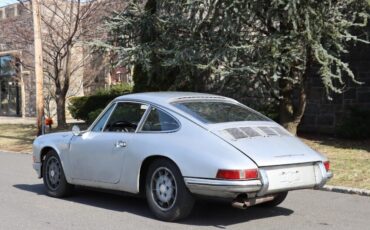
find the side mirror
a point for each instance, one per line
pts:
(76, 130)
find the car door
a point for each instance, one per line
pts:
(155, 136)
(99, 154)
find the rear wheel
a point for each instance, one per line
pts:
(279, 198)
(166, 193)
(54, 179)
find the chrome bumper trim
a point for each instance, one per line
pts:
(259, 188)
(265, 183)
(37, 168)
(329, 175)
(324, 174)
(221, 188)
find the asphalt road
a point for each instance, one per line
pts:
(24, 205)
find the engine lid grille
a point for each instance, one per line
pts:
(236, 133)
(249, 132)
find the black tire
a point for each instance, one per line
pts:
(279, 198)
(53, 175)
(160, 186)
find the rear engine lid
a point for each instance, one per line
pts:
(266, 143)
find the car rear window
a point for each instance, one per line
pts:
(160, 121)
(212, 112)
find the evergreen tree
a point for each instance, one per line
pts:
(208, 45)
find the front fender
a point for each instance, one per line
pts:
(59, 142)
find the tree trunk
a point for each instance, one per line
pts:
(290, 113)
(286, 106)
(62, 89)
(286, 119)
(61, 110)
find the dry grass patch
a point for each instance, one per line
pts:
(350, 160)
(17, 137)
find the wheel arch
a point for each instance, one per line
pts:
(43, 153)
(144, 170)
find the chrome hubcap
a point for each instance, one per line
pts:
(164, 188)
(53, 173)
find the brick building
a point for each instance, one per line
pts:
(323, 115)
(17, 83)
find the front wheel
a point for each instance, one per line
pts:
(166, 193)
(54, 179)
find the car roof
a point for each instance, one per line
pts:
(164, 98)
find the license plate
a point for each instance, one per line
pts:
(290, 177)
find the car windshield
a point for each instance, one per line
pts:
(212, 112)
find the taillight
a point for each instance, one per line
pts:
(327, 165)
(247, 174)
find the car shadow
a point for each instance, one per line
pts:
(205, 213)
(221, 215)
(39, 189)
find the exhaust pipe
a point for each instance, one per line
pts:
(245, 202)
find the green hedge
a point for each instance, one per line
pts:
(87, 108)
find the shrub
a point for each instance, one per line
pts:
(115, 90)
(356, 125)
(93, 115)
(87, 108)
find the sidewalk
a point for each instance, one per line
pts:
(17, 120)
(29, 120)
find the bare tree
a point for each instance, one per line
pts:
(67, 27)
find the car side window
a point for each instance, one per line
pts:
(125, 117)
(100, 124)
(158, 120)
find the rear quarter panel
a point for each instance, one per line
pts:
(196, 151)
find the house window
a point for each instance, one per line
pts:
(9, 12)
(9, 87)
(8, 66)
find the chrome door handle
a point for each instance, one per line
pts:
(120, 144)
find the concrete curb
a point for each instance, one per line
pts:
(346, 190)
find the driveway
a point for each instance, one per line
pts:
(24, 205)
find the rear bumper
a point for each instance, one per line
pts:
(329, 175)
(231, 189)
(221, 188)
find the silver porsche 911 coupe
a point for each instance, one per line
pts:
(173, 147)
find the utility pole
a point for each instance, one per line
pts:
(38, 65)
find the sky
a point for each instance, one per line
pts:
(6, 2)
